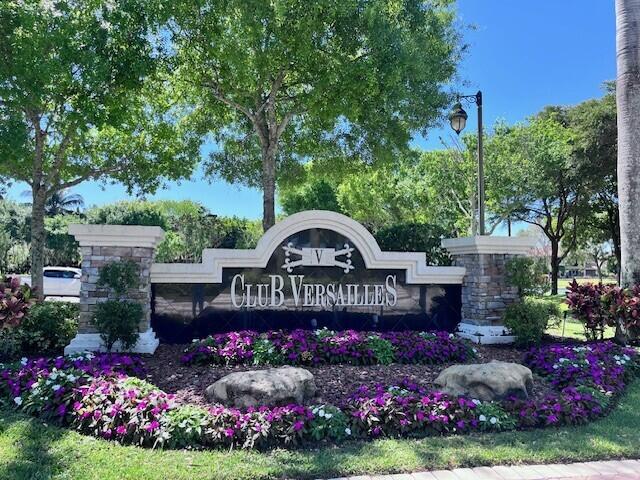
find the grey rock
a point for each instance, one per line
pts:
(487, 381)
(274, 386)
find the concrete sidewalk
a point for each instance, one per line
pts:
(611, 470)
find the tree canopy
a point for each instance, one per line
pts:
(279, 82)
(80, 99)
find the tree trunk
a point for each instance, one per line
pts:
(38, 238)
(555, 267)
(628, 105)
(268, 187)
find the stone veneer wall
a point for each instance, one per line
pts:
(101, 245)
(96, 257)
(485, 291)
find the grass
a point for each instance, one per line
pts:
(32, 450)
(570, 327)
(564, 282)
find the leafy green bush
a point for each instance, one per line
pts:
(48, 327)
(185, 426)
(527, 275)
(415, 237)
(266, 353)
(128, 213)
(329, 422)
(382, 349)
(529, 318)
(10, 348)
(493, 417)
(119, 276)
(118, 321)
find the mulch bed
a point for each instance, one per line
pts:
(334, 382)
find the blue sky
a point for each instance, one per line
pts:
(523, 54)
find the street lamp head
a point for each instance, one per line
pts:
(458, 118)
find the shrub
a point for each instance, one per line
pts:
(15, 302)
(10, 346)
(415, 237)
(527, 275)
(265, 353)
(119, 276)
(48, 327)
(529, 318)
(493, 417)
(128, 213)
(185, 426)
(329, 422)
(585, 304)
(118, 321)
(382, 349)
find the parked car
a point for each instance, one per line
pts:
(59, 281)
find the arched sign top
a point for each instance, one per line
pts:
(216, 259)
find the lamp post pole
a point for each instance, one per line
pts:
(458, 119)
(480, 166)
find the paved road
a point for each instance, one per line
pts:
(613, 470)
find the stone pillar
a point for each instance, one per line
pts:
(100, 245)
(485, 291)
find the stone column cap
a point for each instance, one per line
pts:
(485, 244)
(116, 235)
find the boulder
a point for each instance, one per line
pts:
(487, 381)
(273, 387)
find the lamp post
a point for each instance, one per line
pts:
(458, 119)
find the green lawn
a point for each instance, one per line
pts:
(569, 327)
(31, 450)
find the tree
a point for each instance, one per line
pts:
(61, 203)
(284, 81)
(316, 195)
(79, 100)
(595, 151)
(628, 103)
(545, 189)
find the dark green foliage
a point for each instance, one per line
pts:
(529, 318)
(118, 321)
(128, 213)
(189, 227)
(9, 344)
(415, 237)
(119, 276)
(315, 195)
(48, 327)
(382, 349)
(527, 275)
(61, 248)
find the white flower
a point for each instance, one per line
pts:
(72, 378)
(347, 431)
(53, 375)
(18, 401)
(321, 413)
(328, 416)
(493, 420)
(556, 366)
(482, 418)
(55, 388)
(23, 361)
(476, 401)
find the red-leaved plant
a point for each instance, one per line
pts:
(585, 303)
(15, 301)
(597, 306)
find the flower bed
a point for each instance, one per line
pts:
(97, 395)
(316, 347)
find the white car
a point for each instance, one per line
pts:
(59, 281)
